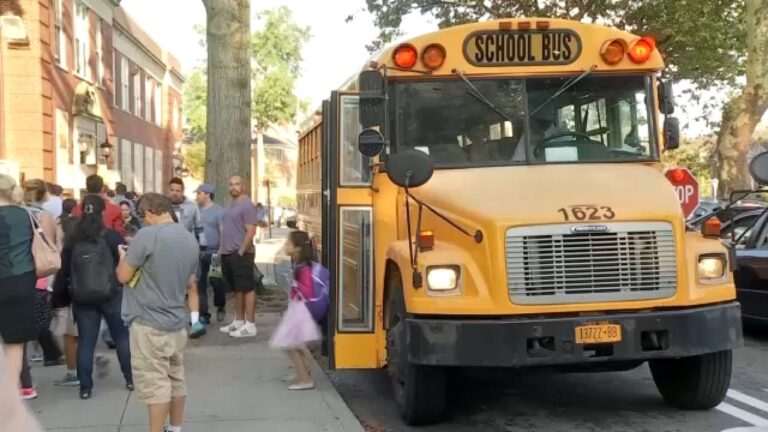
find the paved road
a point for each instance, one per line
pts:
(551, 402)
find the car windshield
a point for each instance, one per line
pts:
(597, 119)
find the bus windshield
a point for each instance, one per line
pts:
(597, 119)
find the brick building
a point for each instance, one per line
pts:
(83, 90)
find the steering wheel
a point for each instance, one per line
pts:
(565, 134)
(538, 151)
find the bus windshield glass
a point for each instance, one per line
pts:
(596, 119)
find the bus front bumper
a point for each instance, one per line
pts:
(517, 342)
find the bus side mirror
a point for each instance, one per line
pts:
(758, 169)
(410, 168)
(666, 98)
(372, 99)
(671, 133)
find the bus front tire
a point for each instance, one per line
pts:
(420, 391)
(694, 383)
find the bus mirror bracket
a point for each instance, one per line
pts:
(671, 133)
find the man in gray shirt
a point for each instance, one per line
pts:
(211, 216)
(186, 211)
(159, 269)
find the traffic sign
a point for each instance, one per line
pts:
(686, 187)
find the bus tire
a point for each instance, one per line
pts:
(420, 391)
(694, 383)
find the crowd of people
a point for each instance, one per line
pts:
(135, 271)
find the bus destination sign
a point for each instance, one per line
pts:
(522, 47)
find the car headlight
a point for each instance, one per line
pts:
(711, 266)
(442, 278)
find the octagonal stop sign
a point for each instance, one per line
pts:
(686, 187)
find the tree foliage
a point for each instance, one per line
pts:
(702, 40)
(195, 99)
(277, 59)
(194, 160)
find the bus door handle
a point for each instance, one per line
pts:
(327, 194)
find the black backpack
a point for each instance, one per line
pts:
(93, 279)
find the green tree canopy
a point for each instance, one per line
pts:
(276, 66)
(195, 99)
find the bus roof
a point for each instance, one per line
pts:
(505, 47)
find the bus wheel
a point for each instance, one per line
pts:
(694, 383)
(420, 391)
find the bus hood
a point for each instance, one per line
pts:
(533, 195)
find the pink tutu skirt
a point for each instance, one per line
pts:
(296, 329)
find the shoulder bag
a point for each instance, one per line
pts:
(44, 251)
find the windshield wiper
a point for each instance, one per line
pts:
(565, 86)
(481, 97)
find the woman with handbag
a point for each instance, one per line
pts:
(17, 279)
(35, 195)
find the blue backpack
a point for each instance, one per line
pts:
(320, 301)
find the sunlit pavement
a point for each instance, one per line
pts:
(234, 384)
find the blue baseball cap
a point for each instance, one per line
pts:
(205, 187)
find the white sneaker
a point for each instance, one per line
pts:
(248, 330)
(236, 325)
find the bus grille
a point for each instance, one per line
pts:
(612, 262)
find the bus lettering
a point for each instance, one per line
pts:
(519, 48)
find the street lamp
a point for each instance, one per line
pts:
(106, 149)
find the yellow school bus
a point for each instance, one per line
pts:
(492, 195)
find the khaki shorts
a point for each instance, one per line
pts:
(157, 361)
(64, 322)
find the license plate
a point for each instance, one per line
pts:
(598, 333)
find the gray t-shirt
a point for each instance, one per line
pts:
(212, 218)
(188, 215)
(238, 215)
(167, 256)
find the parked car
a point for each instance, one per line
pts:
(289, 216)
(751, 275)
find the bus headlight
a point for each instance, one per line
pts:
(711, 267)
(442, 278)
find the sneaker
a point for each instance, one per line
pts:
(248, 330)
(221, 314)
(302, 386)
(197, 330)
(85, 394)
(36, 358)
(205, 319)
(129, 386)
(28, 393)
(52, 363)
(70, 379)
(232, 327)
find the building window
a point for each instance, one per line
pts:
(158, 104)
(114, 79)
(138, 165)
(159, 171)
(126, 163)
(60, 48)
(99, 54)
(149, 169)
(137, 94)
(82, 52)
(125, 89)
(148, 99)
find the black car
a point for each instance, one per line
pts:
(751, 275)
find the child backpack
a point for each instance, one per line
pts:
(93, 280)
(320, 301)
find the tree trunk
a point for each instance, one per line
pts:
(228, 126)
(742, 114)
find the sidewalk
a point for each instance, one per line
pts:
(234, 385)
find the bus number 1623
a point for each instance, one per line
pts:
(592, 213)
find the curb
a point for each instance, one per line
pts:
(339, 408)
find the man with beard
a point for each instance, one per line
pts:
(187, 212)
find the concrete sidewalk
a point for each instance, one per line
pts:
(234, 384)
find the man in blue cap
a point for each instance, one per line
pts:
(211, 217)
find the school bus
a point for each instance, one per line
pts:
(543, 233)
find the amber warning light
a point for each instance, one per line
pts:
(641, 50)
(405, 56)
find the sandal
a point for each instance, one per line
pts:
(302, 386)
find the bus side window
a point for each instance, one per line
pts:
(355, 168)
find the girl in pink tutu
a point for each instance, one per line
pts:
(298, 328)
